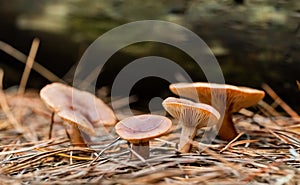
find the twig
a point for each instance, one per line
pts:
(5, 107)
(28, 65)
(51, 125)
(279, 101)
(235, 143)
(268, 108)
(22, 58)
(279, 137)
(232, 141)
(102, 151)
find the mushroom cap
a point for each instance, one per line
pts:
(142, 128)
(236, 97)
(191, 114)
(77, 107)
(30, 100)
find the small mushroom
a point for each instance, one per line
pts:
(192, 117)
(79, 110)
(138, 130)
(226, 98)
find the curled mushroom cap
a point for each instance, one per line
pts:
(138, 130)
(226, 98)
(62, 97)
(192, 116)
(79, 108)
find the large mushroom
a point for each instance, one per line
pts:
(79, 110)
(225, 98)
(138, 130)
(192, 116)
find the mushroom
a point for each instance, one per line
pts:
(192, 117)
(225, 98)
(79, 110)
(138, 130)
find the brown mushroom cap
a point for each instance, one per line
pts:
(236, 97)
(142, 127)
(78, 107)
(190, 113)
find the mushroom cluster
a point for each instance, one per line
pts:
(227, 99)
(79, 110)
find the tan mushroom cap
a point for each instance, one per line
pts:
(142, 128)
(190, 113)
(236, 97)
(78, 107)
(30, 100)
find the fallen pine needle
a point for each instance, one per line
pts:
(28, 65)
(279, 101)
(232, 141)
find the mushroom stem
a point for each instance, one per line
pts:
(187, 133)
(75, 136)
(227, 130)
(141, 148)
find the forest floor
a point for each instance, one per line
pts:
(267, 151)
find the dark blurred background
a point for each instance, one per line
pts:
(254, 41)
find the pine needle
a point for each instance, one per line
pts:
(5, 107)
(28, 65)
(23, 58)
(279, 101)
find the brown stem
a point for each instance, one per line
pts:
(187, 133)
(141, 148)
(227, 130)
(75, 136)
(51, 125)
